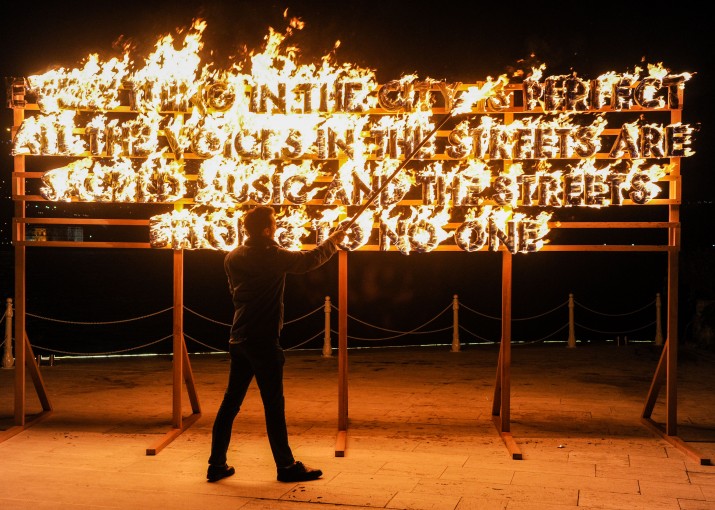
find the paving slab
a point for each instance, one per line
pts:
(420, 434)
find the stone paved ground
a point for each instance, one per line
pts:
(420, 434)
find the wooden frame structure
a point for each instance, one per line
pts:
(24, 357)
(666, 373)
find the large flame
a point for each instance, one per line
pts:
(314, 139)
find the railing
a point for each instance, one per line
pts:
(389, 336)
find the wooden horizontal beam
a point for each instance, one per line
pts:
(318, 202)
(84, 221)
(82, 244)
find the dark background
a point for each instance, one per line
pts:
(437, 40)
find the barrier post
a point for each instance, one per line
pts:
(572, 326)
(7, 359)
(455, 324)
(327, 349)
(658, 326)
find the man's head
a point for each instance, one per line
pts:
(260, 221)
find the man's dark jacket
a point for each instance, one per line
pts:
(256, 274)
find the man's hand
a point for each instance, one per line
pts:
(338, 236)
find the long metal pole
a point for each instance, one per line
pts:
(387, 181)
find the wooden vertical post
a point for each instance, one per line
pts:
(658, 324)
(24, 357)
(327, 347)
(181, 365)
(675, 193)
(341, 442)
(178, 330)
(505, 346)
(572, 323)
(668, 364)
(455, 324)
(18, 237)
(501, 407)
(671, 426)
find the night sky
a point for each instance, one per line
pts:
(436, 40)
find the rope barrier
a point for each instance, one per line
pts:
(521, 342)
(305, 341)
(319, 309)
(461, 305)
(224, 351)
(207, 318)
(462, 328)
(419, 330)
(98, 323)
(203, 344)
(391, 337)
(529, 342)
(102, 353)
(616, 314)
(514, 319)
(228, 324)
(403, 332)
(616, 332)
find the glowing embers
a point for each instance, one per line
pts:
(653, 141)
(89, 180)
(49, 135)
(221, 229)
(558, 93)
(216, 229)
(174, 79)
(494, 227)
(406, 229)
(223, 182)
(420, 231)
(268, 137)
(321, 139)
(96, 86)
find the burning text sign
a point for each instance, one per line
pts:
(317, 140)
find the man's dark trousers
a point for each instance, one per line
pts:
(263, 359)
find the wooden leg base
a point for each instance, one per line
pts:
(172, 434)
(341, 443)
(677, 442)
(508, 439)
(13, 431)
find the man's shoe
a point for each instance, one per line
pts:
(216, 473)
(298, 472)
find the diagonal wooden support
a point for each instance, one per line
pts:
(667, 369)
(655, 385)
(27, 363)
(659, 378)
(677, 442)
(182, 373)
(36, 376)
(189, 381)
(501, 406)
